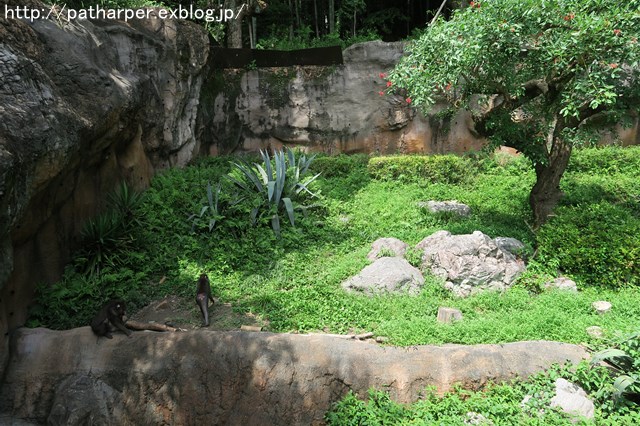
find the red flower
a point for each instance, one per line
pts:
(448, 87)
(474, 4)
(382, 75)
(408, 100)
(381, 93)
(389, 84)
(569, 17)
(617, 31)
(613, 66)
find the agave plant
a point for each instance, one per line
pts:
(276, 185)
(625, 362)
(210, 213)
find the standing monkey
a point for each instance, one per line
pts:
(111, 313)
(203, 295)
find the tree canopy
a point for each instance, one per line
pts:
(537, 75)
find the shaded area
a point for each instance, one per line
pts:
(206, 377)
(243, 58)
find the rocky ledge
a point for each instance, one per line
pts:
(207, 377)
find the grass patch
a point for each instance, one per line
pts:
(294, 282)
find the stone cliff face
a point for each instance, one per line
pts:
(87, 104)
(330, 109)
(236, 378)
(83, 106)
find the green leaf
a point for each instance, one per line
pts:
(621, 384)
(271, 186)
(289, 207)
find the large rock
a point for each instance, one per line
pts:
(572, 399)
(84, 105)
(387, 247)
(233, 378)
(82, 399)
(333, 109)
(469, 262)
(453, 207)
(385, 276)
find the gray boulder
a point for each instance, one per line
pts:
(391, 245)
(572, 399)
(469, 262)
(386, 275)
(81, 399)
(512, 245)
(562, 283)
(452, 206)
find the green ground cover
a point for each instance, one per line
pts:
(292, 283)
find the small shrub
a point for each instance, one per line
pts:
(211, 212)
(606, 160)
(597, 243)
(380, 409)
(340, 165)
(66, 304)
(106, 238)
(449, 169)
(624, 359)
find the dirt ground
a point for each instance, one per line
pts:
(184, 313)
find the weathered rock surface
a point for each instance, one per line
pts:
(601, 306)
(452, 206)
(511, 245)
(562, 283)
(469, 262)
(205, 377)
(448, 315)
(83, 106)
(337, 109)
(389, 245)
(385, 276)
(595, 331)
(572, 399)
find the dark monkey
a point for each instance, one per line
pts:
(203, 295)
(112, 313)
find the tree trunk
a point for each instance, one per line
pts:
(332, 16)
(546, 192)
(234, 26)
(354, 22)
(315, 17)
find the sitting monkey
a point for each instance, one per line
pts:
(203, 295)
(111, 313)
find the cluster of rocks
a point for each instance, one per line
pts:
(467, 263)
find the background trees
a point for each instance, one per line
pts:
(298, 23)
(536, 75)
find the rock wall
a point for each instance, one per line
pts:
(335, 109)
(330, 109)
(87, 104)
(235, 378)
(83, 106)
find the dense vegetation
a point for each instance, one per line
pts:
(291, 282)
(541, 77)
(296, 24)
